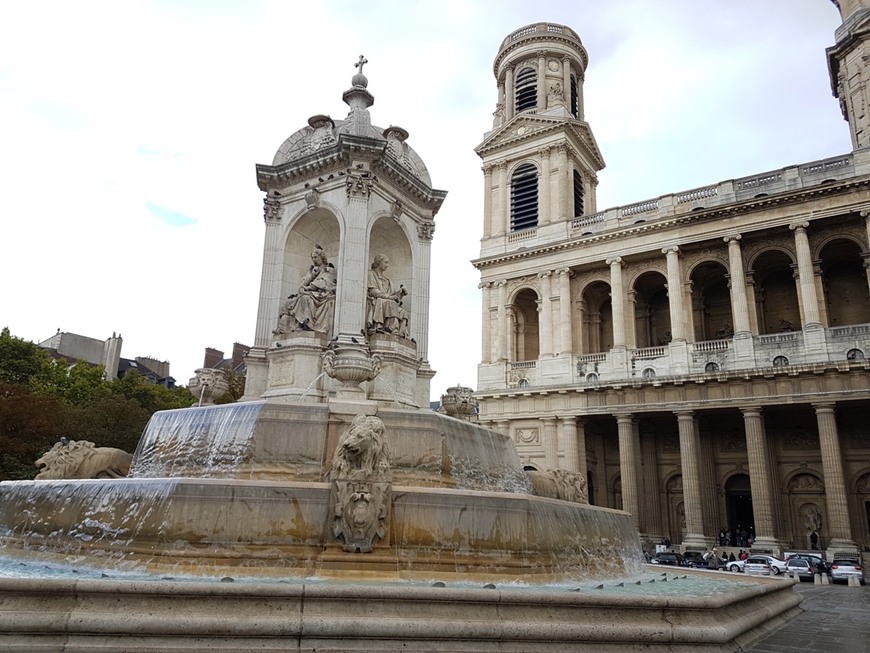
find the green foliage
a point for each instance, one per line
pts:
(42, 399)
(236, 382)
(20, 360)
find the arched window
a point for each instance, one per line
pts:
(524, 198)
(575, 104)
(578, 194)
(649, 373)
(780, 361)
(711, 367)
(526, 93)
(854, 355)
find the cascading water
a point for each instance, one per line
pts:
(207, 442)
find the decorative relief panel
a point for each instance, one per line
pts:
(798, 439)
(733, 441)
(527, 436)
(806, 483)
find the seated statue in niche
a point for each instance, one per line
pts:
(385, 312)
(312, 307)
(725, 332)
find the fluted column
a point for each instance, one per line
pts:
(628, 466)
(866, 254)
(509, 94)
(651, 500)
(617, 301)
(487, 200)
(574, 437)
(270, 280)
(840, 526)
(690, 464)
(487, 342)
(566, 336)
(544, 215)
(546, 310)
(550, 440)
(542, 81)
(564, 188)
(501, 218)
(759, 480)
(809, 299)
(739, 300)
(566, 82)
(502, 326)
(675, 293)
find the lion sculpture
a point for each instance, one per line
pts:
(559, 484)
(81, 459)
(209, 385)
(362, 451)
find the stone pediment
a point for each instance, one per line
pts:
(527, 128)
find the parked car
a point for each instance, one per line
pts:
(817, 562)
(843, 569)
(667, 558)
(800, 567)
(777, 566)
(734, 565)
(757, 566)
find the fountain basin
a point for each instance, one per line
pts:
(78, 616)
(218, 526)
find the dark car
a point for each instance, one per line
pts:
(817, 562)
(667, 558)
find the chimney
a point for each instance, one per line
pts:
(213, 357)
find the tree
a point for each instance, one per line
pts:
(20, 360)
(29, 425)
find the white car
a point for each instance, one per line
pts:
(757, 566)
(777, 566)
(843, 569)
(734, 565)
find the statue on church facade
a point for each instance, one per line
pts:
(312, 308)
(385, 312)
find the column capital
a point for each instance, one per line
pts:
(751, 412)
(825, 407)
(732, 238)
(624, 418)
(546, 274)
(487, 168)
(271, 209)
(685, 414)
(865, 214)
(425, 231)
(485, 284)
(544, 152)
(565, 272)
(501, 166)
(617, 260)
(673, 249)
(499, 283)
(802, 225)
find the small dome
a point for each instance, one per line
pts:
(322, 132)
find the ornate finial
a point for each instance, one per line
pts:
(359, 64)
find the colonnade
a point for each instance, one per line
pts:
(640, 483)
(555, 303)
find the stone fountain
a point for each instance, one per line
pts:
(339, 514)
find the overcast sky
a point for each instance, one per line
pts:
(129, 132)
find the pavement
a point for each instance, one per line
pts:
(836, 619)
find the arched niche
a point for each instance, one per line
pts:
(387, 237)
(316, 227)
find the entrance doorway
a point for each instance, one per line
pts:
(738, 505)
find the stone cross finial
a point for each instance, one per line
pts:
(359, 64)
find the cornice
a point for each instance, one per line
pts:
(577, 128)
(729, 210)
(574, 44)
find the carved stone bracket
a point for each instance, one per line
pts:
(271, 209)
(426, 230)
(359, 185)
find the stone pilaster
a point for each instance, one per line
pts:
(546, 314)
(487, 201)
(739, 301)
(564, 189)
(566, 82)
(675, 293)
(759, 479)
(628, 465)
(509, 93)
(269, 305)
(501, 217)
(840, 527)
(617, 301)
(566, 336)
(544, 215)
(690, 464)
(574, 437)
(503, 331)
(550, 440)
(806, 276)
(487, 341)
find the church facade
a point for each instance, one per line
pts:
(702, 356)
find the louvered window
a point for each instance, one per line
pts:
(575, 104)
(524, 198)
(578, 194)
(526, 89)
